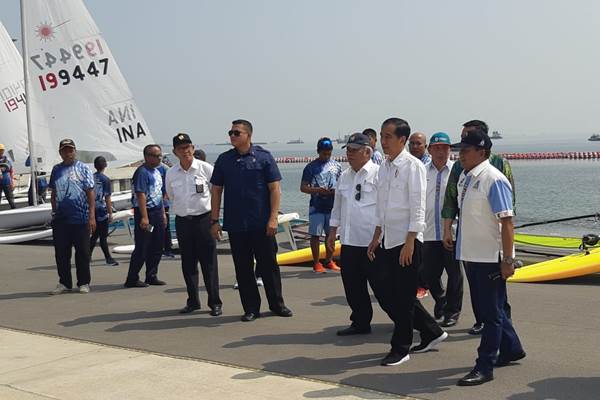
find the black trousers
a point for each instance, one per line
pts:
(396, 289)
(8, 192)
(197, 245)
(357, 271)
(65, 237)
(245, 247)
(148, 246)
(168, 238)
(436, 259)
(102, 234)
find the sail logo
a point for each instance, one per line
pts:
(45, 32)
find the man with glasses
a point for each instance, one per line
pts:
(187, 186)
(319, 179)
(150, 219)
(249, 176)
(354, 208)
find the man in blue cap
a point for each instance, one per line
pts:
(436, 258)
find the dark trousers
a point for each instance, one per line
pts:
(65, 237)
(498, 331)
(148, 246)
(245, 248)
(8, 192)
(396, 289)
(436, 259)
(101, 233)
(357, 271)
(168, 238)
(197, 245)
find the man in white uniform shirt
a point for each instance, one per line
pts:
(353, 214)
(396, 244)
(187, 187)
(484, 242)
(436, 258)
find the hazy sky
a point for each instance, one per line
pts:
(312, 68)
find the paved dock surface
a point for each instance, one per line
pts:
(558, 324)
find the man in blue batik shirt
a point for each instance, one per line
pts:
(150, 219)
(103, 210)
(73, 217)
(319, 179)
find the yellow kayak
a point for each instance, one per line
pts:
(548, 241)
(304, 255)
(569, 266)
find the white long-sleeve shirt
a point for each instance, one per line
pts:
(401, 195)
(356, 219)
(189, 191)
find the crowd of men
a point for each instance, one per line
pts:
(402, 220)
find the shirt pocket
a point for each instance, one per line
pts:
(345, 190)
(200, 186)
(252, 175)
(368, 194)
(478, 203)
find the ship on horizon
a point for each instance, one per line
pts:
(595, 137)
(496, 135)
(295, 141)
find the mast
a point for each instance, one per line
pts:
(32, 158)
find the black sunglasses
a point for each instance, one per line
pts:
(234, 133)
(357, 195)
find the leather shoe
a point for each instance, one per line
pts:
(475, 378)
(476, 329)
(503, 361)
(438, 309)
(135, 284)
(283, 312)
(352, 330)
(188, 309)
(156, 282)
(216, 311)
(250, 316)
(449, 320)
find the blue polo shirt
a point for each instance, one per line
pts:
(70, 183)
(103, 189)
(245, 179)
(5, 168)
(148, 181)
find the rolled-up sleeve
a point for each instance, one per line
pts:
(417, 186)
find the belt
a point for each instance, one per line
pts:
(193, 217)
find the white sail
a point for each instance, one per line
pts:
(75, 80)
(13, 120)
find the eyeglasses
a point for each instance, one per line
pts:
(234, 132)
(357, 195)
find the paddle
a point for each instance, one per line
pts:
(596, 215)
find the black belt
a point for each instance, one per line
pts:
(193, 217)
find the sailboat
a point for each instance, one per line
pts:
(73, 88)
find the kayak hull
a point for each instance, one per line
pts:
(570, 266)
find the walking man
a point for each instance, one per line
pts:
(73, 217)
(485, 244)
(354, 213)
(436, 258)
(251, 180)
(6, 178)
(319, 179)
(150, 220)
(187, 186)
(104, 211)
(396, 244)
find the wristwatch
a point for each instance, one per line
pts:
(508, 260)
(214, 222)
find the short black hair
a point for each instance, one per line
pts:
(402, 127)
(200, 154)
(476, 123)
(247, 124)
(149, 146)
(370, 132)
(100, 163)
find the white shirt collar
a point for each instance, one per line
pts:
(195, 165)
(431, 165)
(478, 169)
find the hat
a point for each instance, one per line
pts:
(440, 138)
(324, 144)
(181, 138)
(66, 143)
(1, 146)
(357, 140)
(476, 137)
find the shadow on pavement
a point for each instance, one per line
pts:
(190, 322)
(580, 388)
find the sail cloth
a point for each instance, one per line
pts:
(75, 80)
(13, 118)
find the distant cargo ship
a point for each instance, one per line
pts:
(496, 135)
(594, 138)
(343, 140)
(296, 141)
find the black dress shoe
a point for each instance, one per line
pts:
(503, 360)
(135, 284)
(216, 311)
(112, 262)
(156, 282)
(250, 316)
(352, 330)
(283, 312)
(476, 329)
(449, 320)
(475, 378)
(438, 309)
(188, 309)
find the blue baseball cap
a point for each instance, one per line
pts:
(440, 138)
(324, 144)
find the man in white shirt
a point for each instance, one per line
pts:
(436, 258)
(187, 188)
(484, 242)
(353, 215)
(396, 244)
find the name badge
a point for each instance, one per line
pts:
(200, 188)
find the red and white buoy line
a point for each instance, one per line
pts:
(560, 155)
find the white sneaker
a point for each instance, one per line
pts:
(84, 289)
(60, 289)
(259, 282)
(235, 286)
